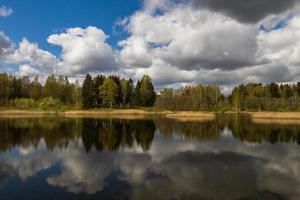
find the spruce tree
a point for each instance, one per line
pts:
(147, 91)
(137, 94)
(88, 95)
(98, 81)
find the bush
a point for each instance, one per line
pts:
(50, 103)
(24, 103)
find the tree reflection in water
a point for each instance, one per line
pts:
(227, 158)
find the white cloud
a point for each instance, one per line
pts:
(84, 50)
(176, 43)
(27, 70)
(5, 11)
(30, 53)
(282, 45)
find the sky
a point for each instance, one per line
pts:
(176, 42)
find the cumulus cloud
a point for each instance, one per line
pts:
(30, 53)
(84, 50)
(27, 70)
(282, 45)
(181, 43)
(5, 43)
(247, 12)
(5, 11)
(209, 42)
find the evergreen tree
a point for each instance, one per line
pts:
(130, 92)
(24, 87)
(51, 88)
(88, 95)
(137, 94)
(147, 91)
(35, 89)
(16, 88)
(273, 87)
(98, 81)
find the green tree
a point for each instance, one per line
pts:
(98, 81)
(88, 95)
(51, 88)
(35, 89)
(147, 91)
(273, 87)
(137, 94)
(109, 92)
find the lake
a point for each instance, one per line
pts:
(230, 157)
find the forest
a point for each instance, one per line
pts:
(112, 91)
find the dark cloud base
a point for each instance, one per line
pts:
(246, 11)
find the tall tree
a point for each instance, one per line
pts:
(109, 92)
(130, 92)
(137, 94)
(88, 95)
(35, 89)
(51, 88)
(273, 87)
(147, 91)
(98, 81)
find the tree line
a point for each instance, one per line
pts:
(113, 91)
(98, 92)
(116, 92)
(249, 97)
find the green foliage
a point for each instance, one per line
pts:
(190, 98)
(35, 89)
(50, 103)
(272, 97)
(98, 81)
(88, 92)
(109, 92)
(113, 91)
(147, 93)
(24, 103)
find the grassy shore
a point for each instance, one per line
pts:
(114, 113)
(139, 113)
(275, 115)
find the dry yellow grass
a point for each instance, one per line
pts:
(276, 121)
(192, 116)
(118, 113)
(275, 115)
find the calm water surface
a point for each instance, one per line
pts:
(69, 158)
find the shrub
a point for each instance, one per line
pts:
(50, 103)
(24, 103)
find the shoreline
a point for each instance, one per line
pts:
(141, 112)
(274, 115)
(114, 113)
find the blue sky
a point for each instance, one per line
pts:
(37, 19)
